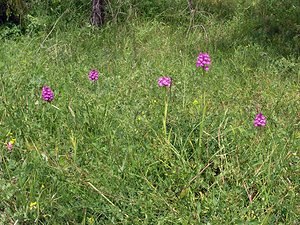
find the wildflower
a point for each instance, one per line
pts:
(260, 120)
(93, 75)
(164, 81)
(32, 205)
(10, 144)
(47, 94)
(195, 102)
(91, 220)
(203, 61)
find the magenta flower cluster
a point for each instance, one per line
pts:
(260, 120)
(9, 146)
(164, 81)
(93, 75)
(203, 61)
(47, 94)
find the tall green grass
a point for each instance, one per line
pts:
(97, 154)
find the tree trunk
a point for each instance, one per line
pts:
(98, 12)
(190, 3)
(12, 11)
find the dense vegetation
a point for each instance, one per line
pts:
(99, 152)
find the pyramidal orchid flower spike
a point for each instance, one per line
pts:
(203, 61)
(93, 75)
(260, 120)
(47, 94)
(164, 81)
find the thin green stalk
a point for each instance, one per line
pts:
(165, 114)
(202, 124)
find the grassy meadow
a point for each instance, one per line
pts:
(98, 153)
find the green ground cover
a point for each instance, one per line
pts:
(97, 154)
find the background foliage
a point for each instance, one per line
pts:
(272, 22)
(12, 10)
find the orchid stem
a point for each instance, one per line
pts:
(165, 114)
